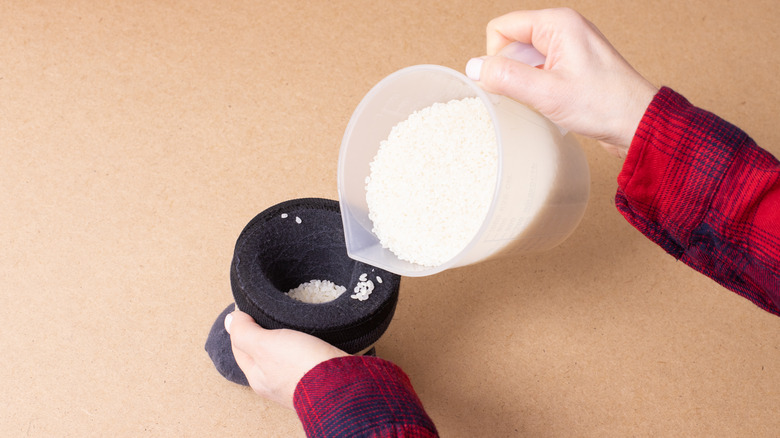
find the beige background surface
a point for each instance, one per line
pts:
(137, 138)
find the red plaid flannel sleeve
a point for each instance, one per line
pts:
(359, 396)
(704, 191)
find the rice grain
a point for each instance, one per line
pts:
(432, 181)
(316, 292)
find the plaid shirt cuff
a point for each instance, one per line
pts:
(359, 396)
(704, 191)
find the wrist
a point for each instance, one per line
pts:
(641, 97)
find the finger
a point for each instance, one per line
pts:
(244, 339)
(514, 79)
(246, 363)
(245, 334)
(514, 26)
(532, 27)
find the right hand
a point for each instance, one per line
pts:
(585, 85)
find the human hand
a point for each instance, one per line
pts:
(585, 85)
(274, 361)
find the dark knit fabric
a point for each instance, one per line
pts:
(302, 240)
(289, 244)
(219, 350)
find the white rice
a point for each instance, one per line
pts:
(363, 288)
(316, 292)
(432, 181)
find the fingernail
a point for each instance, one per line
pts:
(228, 320)
(474, 68)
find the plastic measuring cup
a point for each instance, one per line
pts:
(541, 190)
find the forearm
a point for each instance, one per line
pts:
(705, 192)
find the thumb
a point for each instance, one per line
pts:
(245, 333)
(513, 79)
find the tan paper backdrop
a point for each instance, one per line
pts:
(137, 138)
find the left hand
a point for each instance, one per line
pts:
(274, 361)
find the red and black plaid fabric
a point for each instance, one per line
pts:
(359, 396)
(703, 190)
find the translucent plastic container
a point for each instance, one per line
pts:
(541, 190)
